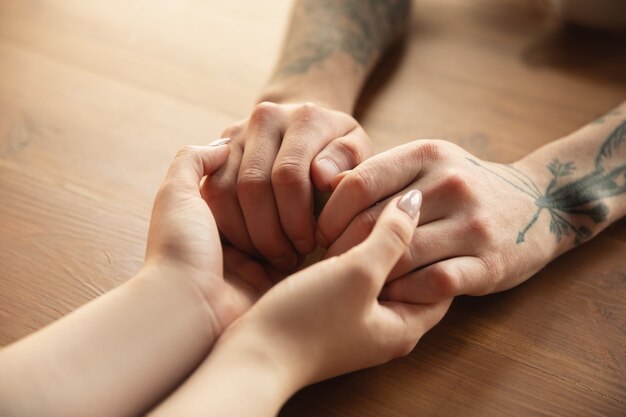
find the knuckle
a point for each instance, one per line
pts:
(479, 227)
(365, 222)
(308, 112)
(398, 232)
(406, 261)
(444, 281)
(359, 183)
(263, 113)
(427, 150)
(455, 183)
(251, 179)
(185, 152)
(231, 131)
(289, 173)
(350, 150)
(220, 186)
(490, 276)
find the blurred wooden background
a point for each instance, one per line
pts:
(95, 98)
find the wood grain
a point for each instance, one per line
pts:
(95, 97)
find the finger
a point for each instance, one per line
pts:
(192, 163)
(375, 179)
(310, 129)
(246, 269)
(389, 238)
(335, 181)
(410, 323)
(433, 242)
(338, 156)
(254, 189)
(220, 193)
(441, 280)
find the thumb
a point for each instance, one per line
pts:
(192, 163)
(340, 155)
(390, 236)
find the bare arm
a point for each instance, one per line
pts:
(301, 133)
(330, 48)
(117, 355)
(487, 227)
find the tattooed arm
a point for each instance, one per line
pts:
(302, 134)
(330, 48)
(485, 227)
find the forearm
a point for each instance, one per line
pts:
(114, 356)
(244, 375)
(330, 48)
(580, 180)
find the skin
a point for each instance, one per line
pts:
(301, 133)
(117, 355)
(321, 322)
(329, 49)
(485, 227)
(120, 354)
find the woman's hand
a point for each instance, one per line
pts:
(323, 321)
(262, 198)
(326, 320)
(481, 227)
(184, 242)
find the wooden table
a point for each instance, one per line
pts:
(95, 98)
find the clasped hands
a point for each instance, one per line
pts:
(384, 281)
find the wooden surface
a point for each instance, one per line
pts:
(95, 97)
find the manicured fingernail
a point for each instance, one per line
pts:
(304, 246)
(327, 169)
(286, 263)
(220, 142)
(411, 202)
(321, 240)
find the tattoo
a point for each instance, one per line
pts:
(580, 197)
(359, 28)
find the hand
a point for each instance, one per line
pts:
(474, 235)
(183, 240)
(262, 198)
(326, 320)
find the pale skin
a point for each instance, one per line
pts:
(321, 322)
(120, 354)
(329, 49)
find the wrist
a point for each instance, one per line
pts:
(268, 353)
(310, 89)
(188, 294)
(242, 364)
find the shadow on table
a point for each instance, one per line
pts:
(519, 346)
(585, 52)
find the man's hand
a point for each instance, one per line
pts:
(262, 198)
(476, 233)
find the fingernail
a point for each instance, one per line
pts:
(220, 142)
(411, 202)
(285, 263)
(327, 169)
(304, 246)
